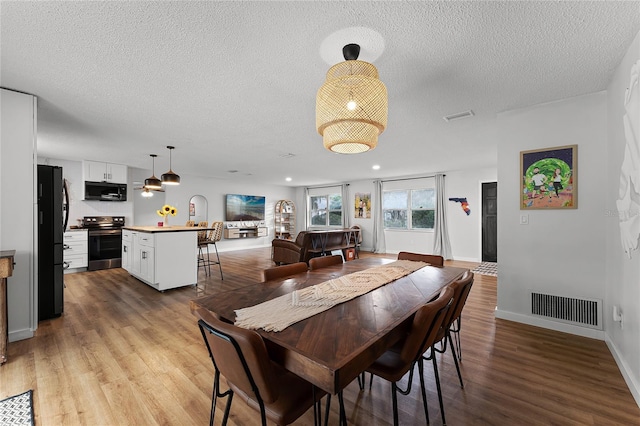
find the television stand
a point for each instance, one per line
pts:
(237, 230)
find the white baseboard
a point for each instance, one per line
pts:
(632, 383)
(467, 259)
(551, 325)
(253, 246)
(14, 336)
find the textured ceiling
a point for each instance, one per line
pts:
(232, 84)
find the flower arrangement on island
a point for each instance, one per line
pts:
(165, 211)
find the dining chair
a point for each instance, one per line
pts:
(190, 223)
(283, 271)
(432, 259)
(324, 261)
(402, 358)
(241, 356)
(461, 290)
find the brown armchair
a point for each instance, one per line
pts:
(287, 251)
(309, 244)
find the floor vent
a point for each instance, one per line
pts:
(582, 312)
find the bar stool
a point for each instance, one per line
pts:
(213, 237)
(202, 236)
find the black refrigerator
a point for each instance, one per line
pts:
(52, 218)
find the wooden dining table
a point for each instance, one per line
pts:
(332, 348)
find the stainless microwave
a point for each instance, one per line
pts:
(105, 191)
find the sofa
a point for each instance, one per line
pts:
(309, 244)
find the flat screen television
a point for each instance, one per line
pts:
(244, 207)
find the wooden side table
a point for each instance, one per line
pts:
(6, 270)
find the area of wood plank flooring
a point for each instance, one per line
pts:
(126, 354)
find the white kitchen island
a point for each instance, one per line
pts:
(162, 257)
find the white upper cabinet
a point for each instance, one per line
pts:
(96, 171)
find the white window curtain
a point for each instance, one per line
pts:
(306, 209)
(379, 245)
(346, 206)
(441, 244)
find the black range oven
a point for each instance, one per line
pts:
(105, 241)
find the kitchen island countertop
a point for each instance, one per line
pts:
(154, 229)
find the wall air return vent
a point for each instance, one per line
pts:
(582, 312)
(458, 116)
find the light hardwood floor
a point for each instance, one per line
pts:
(125, 354)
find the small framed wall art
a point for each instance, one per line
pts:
(549, 178)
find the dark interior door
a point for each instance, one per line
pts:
(490, 222)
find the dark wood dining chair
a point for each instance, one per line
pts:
(324, 261)
(432, 259)
(402, 358)
(283, 271)
(241, 356)
(461, 290)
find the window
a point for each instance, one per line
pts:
(326, 210)
(409, 209)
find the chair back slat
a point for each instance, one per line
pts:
(324, 261)
(283, 271)
(202, 235)
(216, 233)
(432, 259)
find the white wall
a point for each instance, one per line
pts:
(78, 208)
(622, 273)
(464, 231)
(214, 190)
(141, 211)
(144, 208)
(18, 208)
(559, 252)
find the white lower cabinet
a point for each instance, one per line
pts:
(163, 260)
(127, 250)
(75, 247)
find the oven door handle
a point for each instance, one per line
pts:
(99, 232)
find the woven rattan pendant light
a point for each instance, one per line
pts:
(351, 105)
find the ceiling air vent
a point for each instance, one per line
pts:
(458, 116)
(287, 155)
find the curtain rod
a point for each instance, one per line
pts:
(326, 186)
(411, 178)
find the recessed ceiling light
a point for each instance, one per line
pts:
(232, 171)
(376, 167)
(288, 179)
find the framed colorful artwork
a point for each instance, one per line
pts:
(549, 178)
(363, 205)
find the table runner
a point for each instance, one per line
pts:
(279, 313)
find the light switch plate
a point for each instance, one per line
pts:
(524, 219)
